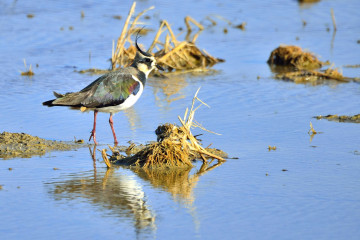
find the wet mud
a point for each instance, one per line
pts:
(24, 145)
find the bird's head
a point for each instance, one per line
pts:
(144, 61)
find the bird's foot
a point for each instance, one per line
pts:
(93, 135)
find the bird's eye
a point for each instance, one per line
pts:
(147, 60)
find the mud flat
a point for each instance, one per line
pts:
(24, 145)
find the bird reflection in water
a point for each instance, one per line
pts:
(120, 191)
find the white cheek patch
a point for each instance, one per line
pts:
(142, 67)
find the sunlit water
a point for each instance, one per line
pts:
(252, 197)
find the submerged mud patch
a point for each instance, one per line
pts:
(24, 145)
(340, 118)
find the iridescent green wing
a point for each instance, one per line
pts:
(110, 90)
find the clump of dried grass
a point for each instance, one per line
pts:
(292, 63)
(29, 72)
(120, 56)
(312, 76)
(181, 55)
(294, 56)
(176, 146)
(171, 55)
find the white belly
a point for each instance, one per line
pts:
(131, 100)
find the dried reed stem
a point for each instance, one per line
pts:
(189, 19)
(121, 39)
(164, 23)
(106, 160)
(333, 19)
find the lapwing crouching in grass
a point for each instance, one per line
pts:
(112, 92)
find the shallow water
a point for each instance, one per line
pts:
(251, 197)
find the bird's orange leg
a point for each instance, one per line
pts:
(112, 128)
(93, 132)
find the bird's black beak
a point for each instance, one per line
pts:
(159, 67)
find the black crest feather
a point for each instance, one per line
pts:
(137, 46)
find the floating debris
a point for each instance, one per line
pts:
(24, 145)
(175, 146)
(241, 26)
(80, 141)
(312, 130)
(305, 76)
(271, 148)
(341, 118)
(30, 15)
(308, 1)
(93, 71)
(28, 72)
(118, 17)
(294, 56)
(352, 66)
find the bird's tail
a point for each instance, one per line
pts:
(68, 99)
(49, 103)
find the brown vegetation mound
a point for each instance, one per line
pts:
(293, 56)
(176, 146)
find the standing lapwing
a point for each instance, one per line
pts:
(112, 92)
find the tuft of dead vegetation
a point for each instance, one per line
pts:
(28, 72)
(184, 55)
(294, 56)
(305, 76)
(171, 54)
(292, 63)
(308, 1)
(312, 130)
(176, 146)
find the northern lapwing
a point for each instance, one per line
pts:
(112, 92)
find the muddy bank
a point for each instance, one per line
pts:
(24, 145)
